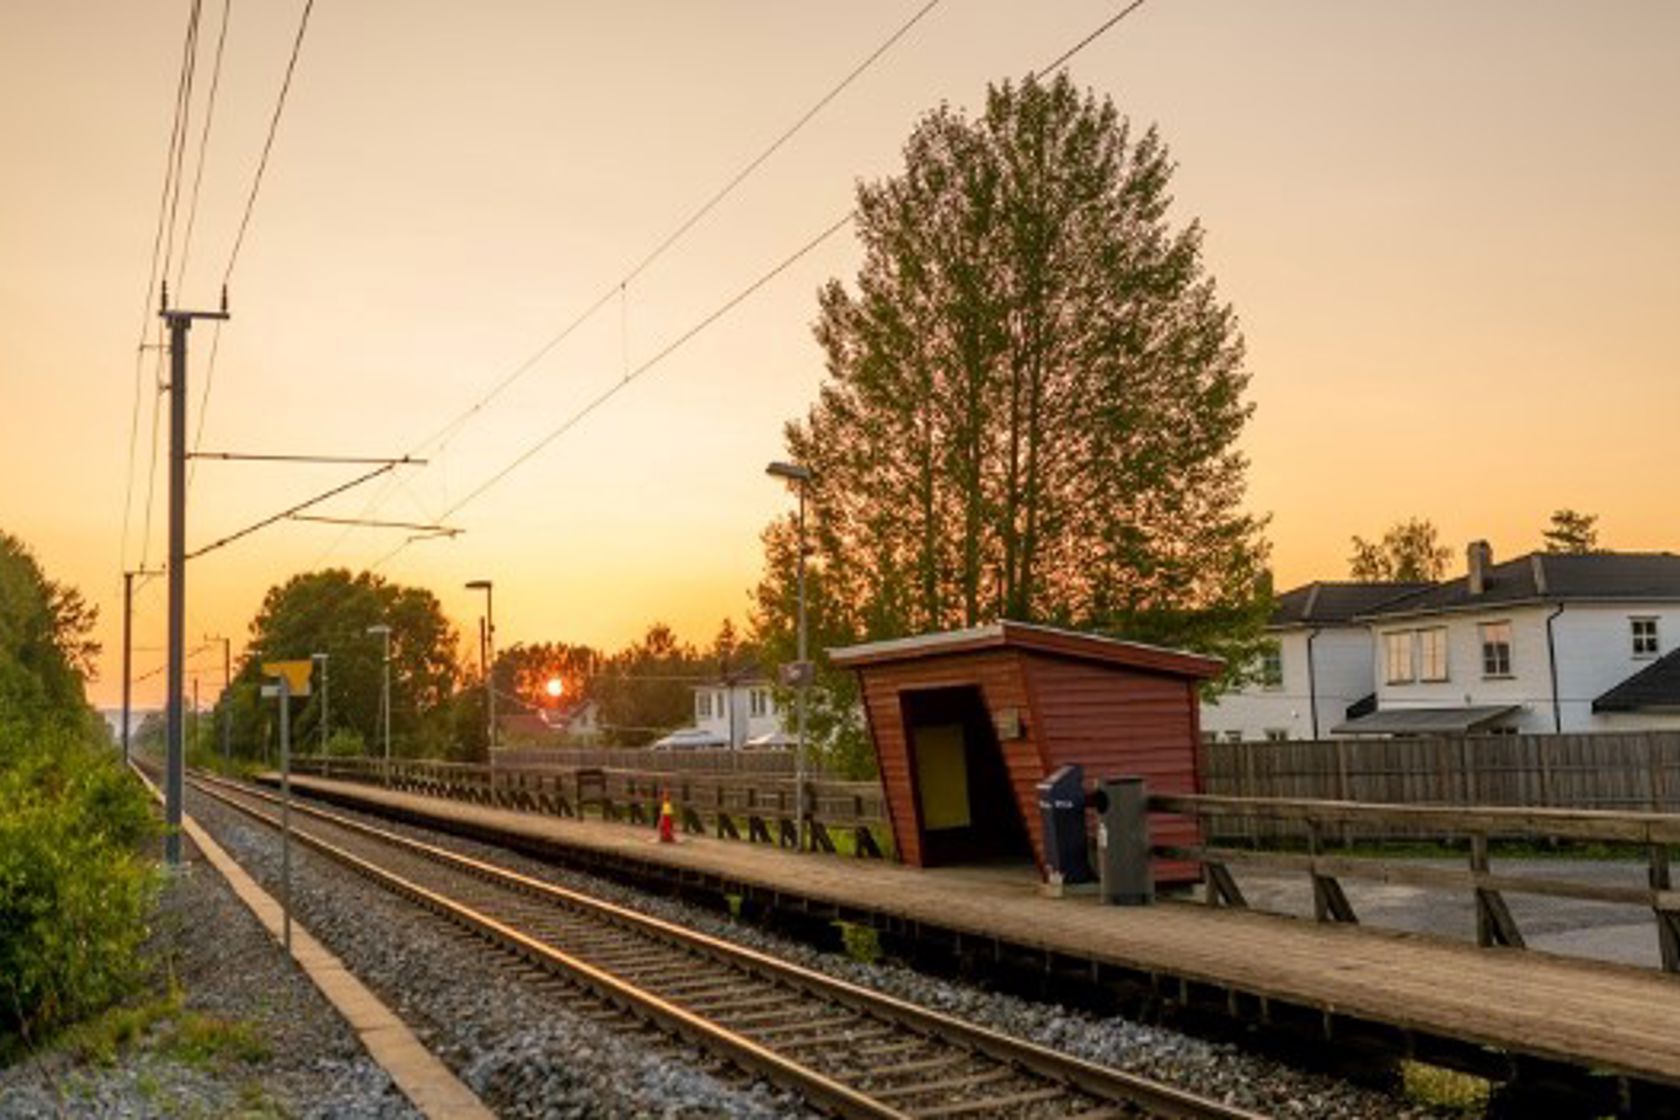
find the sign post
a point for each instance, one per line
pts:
(293, 681)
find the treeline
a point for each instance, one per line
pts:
(437, 694)
(75, 886)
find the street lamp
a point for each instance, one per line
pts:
(321, 659)
(487, 652)
(384, 632)
(799, 673)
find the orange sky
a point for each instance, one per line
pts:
(1450, 232)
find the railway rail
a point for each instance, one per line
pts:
(845, 1049)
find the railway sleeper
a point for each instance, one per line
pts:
(949, 1084)
(989, 1104)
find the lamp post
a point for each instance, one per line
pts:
(488, 653)
(384, 633)
(799, 673)
(321, 660)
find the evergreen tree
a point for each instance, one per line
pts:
(1572, 531)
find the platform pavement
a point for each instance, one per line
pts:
(1612, 1017)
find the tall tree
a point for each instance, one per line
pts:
(1572, 531)
(1034, 394)
(1411, 552)
(329, 612)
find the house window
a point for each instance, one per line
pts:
(1271, 668)
(1398, 657)
(1276, 735)
(758, 702)
(1644, 636)
(1432, 654)
(1496, 649)
(703, 705)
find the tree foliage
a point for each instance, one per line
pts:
(647, 688)
(74, 888)
(1410, 552)
(1034, 395)
(330, 612)
(1572, 531)
(524, 670)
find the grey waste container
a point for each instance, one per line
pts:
(1061, 806)
(1123, 841)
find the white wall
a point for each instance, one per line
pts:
(737, 699)
(1594, 650)
(1341, 660)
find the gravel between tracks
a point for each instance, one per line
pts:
(525, 1050)
(1221, 1071)
(252, 1036)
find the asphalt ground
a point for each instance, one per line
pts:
(1591, 930)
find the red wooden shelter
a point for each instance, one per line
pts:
(966, 723)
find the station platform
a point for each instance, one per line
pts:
(1419, 995)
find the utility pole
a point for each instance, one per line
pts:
(227, 702)
(128, 652)
(180, 322)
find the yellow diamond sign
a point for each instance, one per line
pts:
(296, 674)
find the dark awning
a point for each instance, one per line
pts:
(1424, 721)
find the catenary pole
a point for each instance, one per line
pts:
(179, 322)
(128, 655)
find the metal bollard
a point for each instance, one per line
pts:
(1125, 874)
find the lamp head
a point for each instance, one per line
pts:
(792, 472)
(478, 585)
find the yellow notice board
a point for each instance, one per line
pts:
(942, 776)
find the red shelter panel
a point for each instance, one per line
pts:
(965, 724)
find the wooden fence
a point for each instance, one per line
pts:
(1655, 833)
(753, 807)
(1638, 772)
(645, 758)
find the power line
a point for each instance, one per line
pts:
(177, 132)
(289, 511)
(685, 226)
(203, 143)
(268, 142)
(734, 301)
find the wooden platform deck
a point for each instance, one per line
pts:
(1528, 1004)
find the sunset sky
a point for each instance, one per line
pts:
(1451, 232)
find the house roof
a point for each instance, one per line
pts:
(1656, 687)
(1029, 636)
(1547, 577)
(1327, 602)
(1425, 721)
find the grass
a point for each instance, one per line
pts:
(190, 1037)
(1445, 1089)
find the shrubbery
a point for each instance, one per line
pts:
(75, 888)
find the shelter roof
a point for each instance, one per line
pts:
(1008, 634)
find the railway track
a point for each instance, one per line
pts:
(845, 1049)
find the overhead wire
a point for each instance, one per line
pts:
(148, 309)
(250, 207)
(619, 288)
(694, 330)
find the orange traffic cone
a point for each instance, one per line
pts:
(667, 823)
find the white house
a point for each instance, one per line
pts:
(1544, 643)
(739, 710)
(1318, 674)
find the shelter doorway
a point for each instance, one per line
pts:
(965, 804)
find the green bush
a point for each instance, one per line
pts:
(75, 889)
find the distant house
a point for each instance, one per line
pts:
(575, 725)
(1543, 643)
(739, 710)
(1319, 671)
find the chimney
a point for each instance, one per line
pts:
(1480, 555)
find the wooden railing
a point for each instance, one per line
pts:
(1655, 833)
(752, 807)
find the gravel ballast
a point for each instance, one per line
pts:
(1219, 1070)
(529, 1049)
(251, 1035)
